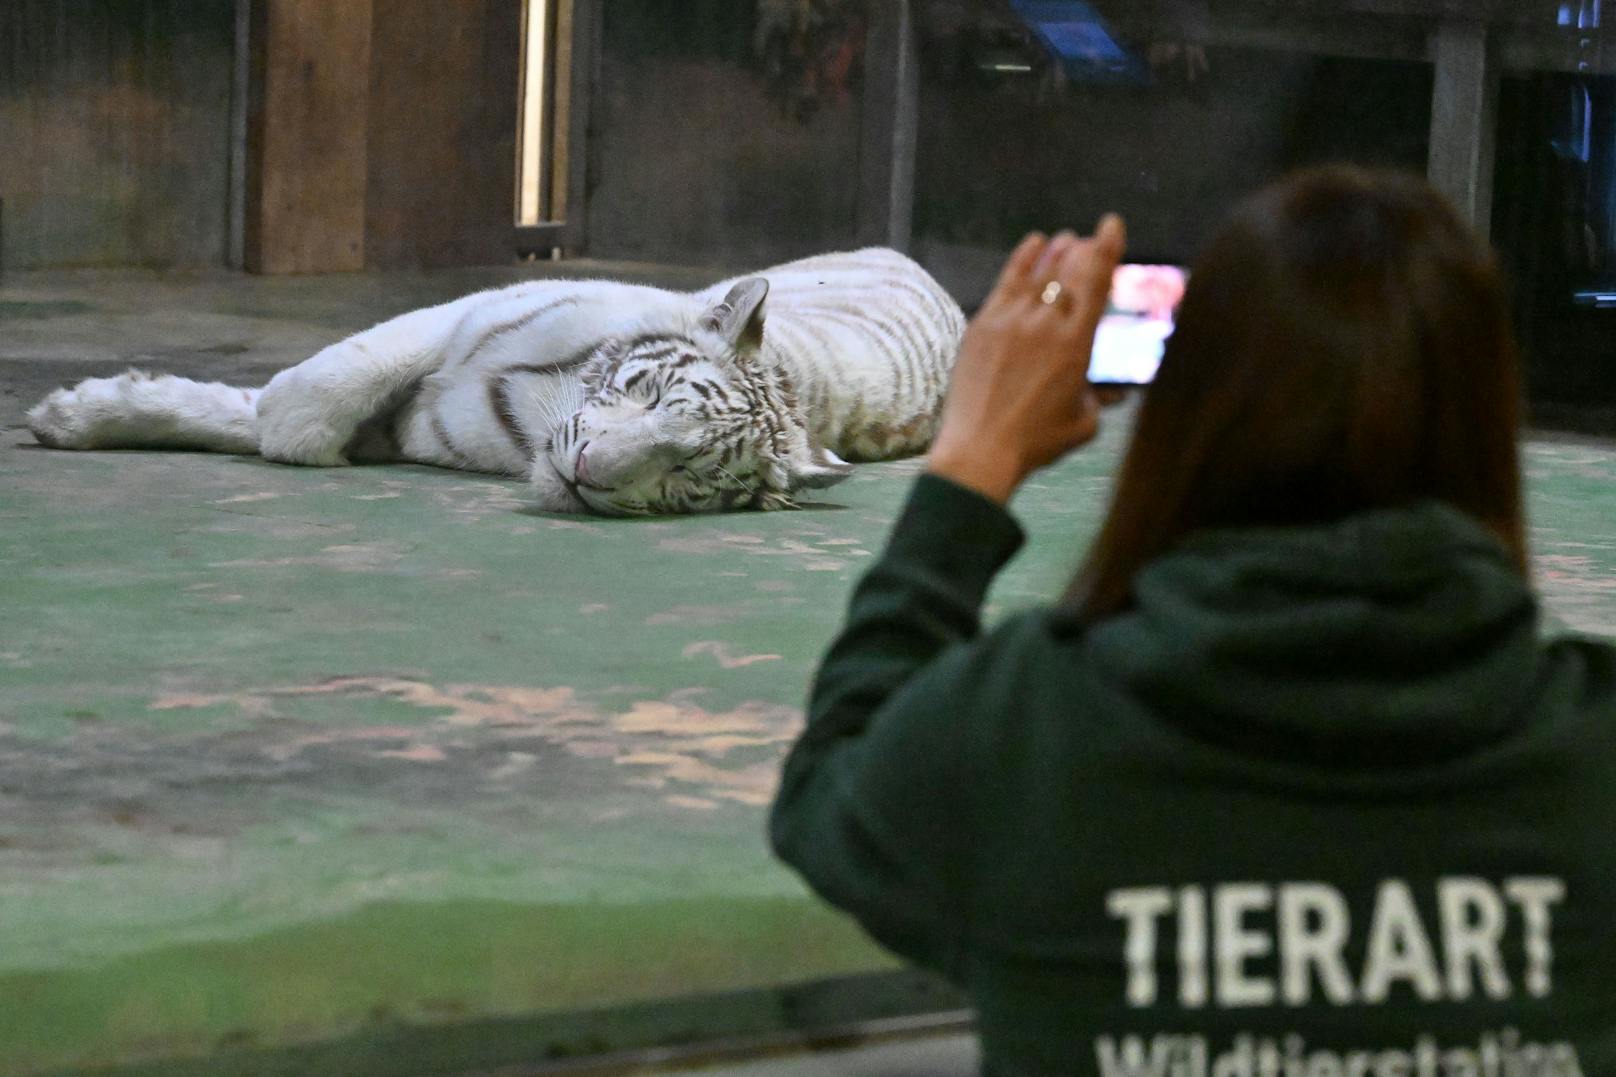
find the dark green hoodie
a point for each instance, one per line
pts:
(1321, 804)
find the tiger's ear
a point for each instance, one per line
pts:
(822, 468)
(738, 318)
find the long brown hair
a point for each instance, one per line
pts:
(1344, 344)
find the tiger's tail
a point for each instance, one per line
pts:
(137, 410)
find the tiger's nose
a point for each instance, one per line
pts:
(580, 470)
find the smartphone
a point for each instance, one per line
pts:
(1133, 334)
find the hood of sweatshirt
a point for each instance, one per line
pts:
(1398, 634)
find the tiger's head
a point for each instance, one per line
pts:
(690, 420)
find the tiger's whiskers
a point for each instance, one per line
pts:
(736, 481)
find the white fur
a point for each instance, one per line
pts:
(138, 411)
(830, 326)
(829, 355)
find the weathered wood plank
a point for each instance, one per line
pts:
(442, 132)
(579, 58)
(306, 129)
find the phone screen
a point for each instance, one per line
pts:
(1133, 334)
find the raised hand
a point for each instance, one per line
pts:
(1020, 397)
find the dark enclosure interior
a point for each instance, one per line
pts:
(1003, 154)
(1555, 223)
(713, 144)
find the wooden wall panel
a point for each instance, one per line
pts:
(115, 131)
(379, 132)
(306, 134)
(444, 82)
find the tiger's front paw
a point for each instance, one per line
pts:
(294, 429)
(61, 421)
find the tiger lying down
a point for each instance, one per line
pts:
(610, 398)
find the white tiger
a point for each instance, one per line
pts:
(610, 398)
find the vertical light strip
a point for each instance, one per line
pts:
(529, 211)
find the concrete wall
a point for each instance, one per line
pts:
(114, 137)
(115, 131)
(700, 155)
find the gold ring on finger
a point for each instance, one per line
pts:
(1052, 292)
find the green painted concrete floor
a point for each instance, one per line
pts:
(290, 756)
